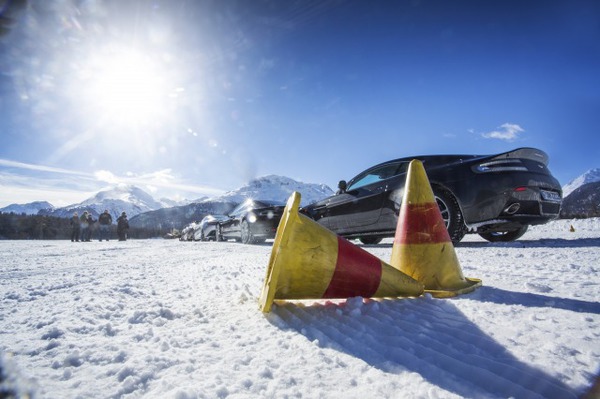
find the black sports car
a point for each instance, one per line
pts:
(251, 222)
(497, 196)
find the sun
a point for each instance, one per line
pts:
(126, 87)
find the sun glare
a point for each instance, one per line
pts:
(127, 88)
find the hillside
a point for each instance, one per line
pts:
(583, 202)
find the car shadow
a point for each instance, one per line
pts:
(384, 245)
(542, 243)
(504, 297)
(426, 336)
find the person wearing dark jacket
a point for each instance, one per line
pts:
(90, 228)
(104, 220)
(122, 227)
(75, 227)
(84, 226)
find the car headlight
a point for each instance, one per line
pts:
(252, 217)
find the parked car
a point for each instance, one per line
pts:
(208, 227)
(251, 222)
(496, 196)
(187, 233)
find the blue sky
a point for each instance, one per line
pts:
(191, 98)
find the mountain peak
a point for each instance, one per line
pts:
(123, 192)
(116, 199)
(274, 187)
(591, 176)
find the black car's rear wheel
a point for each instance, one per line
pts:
(370, 240)
(451, 214)
(504, 236)
(246, 232)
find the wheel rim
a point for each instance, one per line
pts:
(444, 210)
(245, 232)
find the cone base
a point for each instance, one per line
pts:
(267, 295)
(471, 284)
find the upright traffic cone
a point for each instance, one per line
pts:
(422, 246)
(310, 262)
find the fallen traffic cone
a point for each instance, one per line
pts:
(310, 262)
(422, 246)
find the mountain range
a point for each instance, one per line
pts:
(581, 199)
(135, 201)
(31, 208)
(270, 187)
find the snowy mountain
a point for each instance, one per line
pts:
(267, 188)
(583, 202)
(122, 198)
(167, 213)
(591, 176)
(274, 187)
(31, 208)
(581, 197)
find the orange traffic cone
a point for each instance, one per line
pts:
(422, 246)
(310, 262)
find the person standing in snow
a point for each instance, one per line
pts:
(104, 220)
(75, 227)
(84, 226)
(122, 226)
(91, 222)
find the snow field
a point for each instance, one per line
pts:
(163, 318)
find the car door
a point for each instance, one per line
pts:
(359, 207)
(231, 226)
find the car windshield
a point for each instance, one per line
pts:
(377, 174)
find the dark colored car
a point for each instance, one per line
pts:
(208, 227)
(496, 196)
(251, 222)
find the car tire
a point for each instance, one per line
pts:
(370, 240)
(451, 213)
(246, 232)
(504, 236)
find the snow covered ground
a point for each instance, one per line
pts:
(170, 319)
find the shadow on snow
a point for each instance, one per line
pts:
(430, 337)
(541, 243)
(504, 297)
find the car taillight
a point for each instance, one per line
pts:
(270, 214)
(500, 165)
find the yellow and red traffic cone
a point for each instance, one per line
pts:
(422, 246)
(310, 262)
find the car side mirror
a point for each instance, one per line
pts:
(342, 185)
